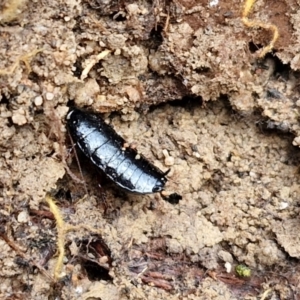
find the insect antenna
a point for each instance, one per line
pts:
(167, 172)
(72, 175)
(56, 132)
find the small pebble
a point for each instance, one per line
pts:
(169, 161)
(38, 101)
(23, 217)
(117, 52)
(49, 96)
(103, 260)
(196, 154)
(228, 267)
(79, 289)
(283, 205)
(18, 118)
(296, 141)
(102, 44)
(165, 153)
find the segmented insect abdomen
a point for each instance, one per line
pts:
(99, 142)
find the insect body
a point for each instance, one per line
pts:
(105, 148)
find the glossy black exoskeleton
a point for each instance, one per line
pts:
(105, 148)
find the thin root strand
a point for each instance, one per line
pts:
(268, 26)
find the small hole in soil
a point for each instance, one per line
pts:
(33, 77)
(202, 70)
(95, 272)
(97, 250)
(4, 100)
(156, 34)
(254, 47)
(187, 102)
(64, 194)
(10, 122)
(118, 16)
(77, 68)
(281, 70)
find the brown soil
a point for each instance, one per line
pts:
(231, 143)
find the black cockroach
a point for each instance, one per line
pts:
(105, 148)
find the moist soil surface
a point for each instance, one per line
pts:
(185, 84)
